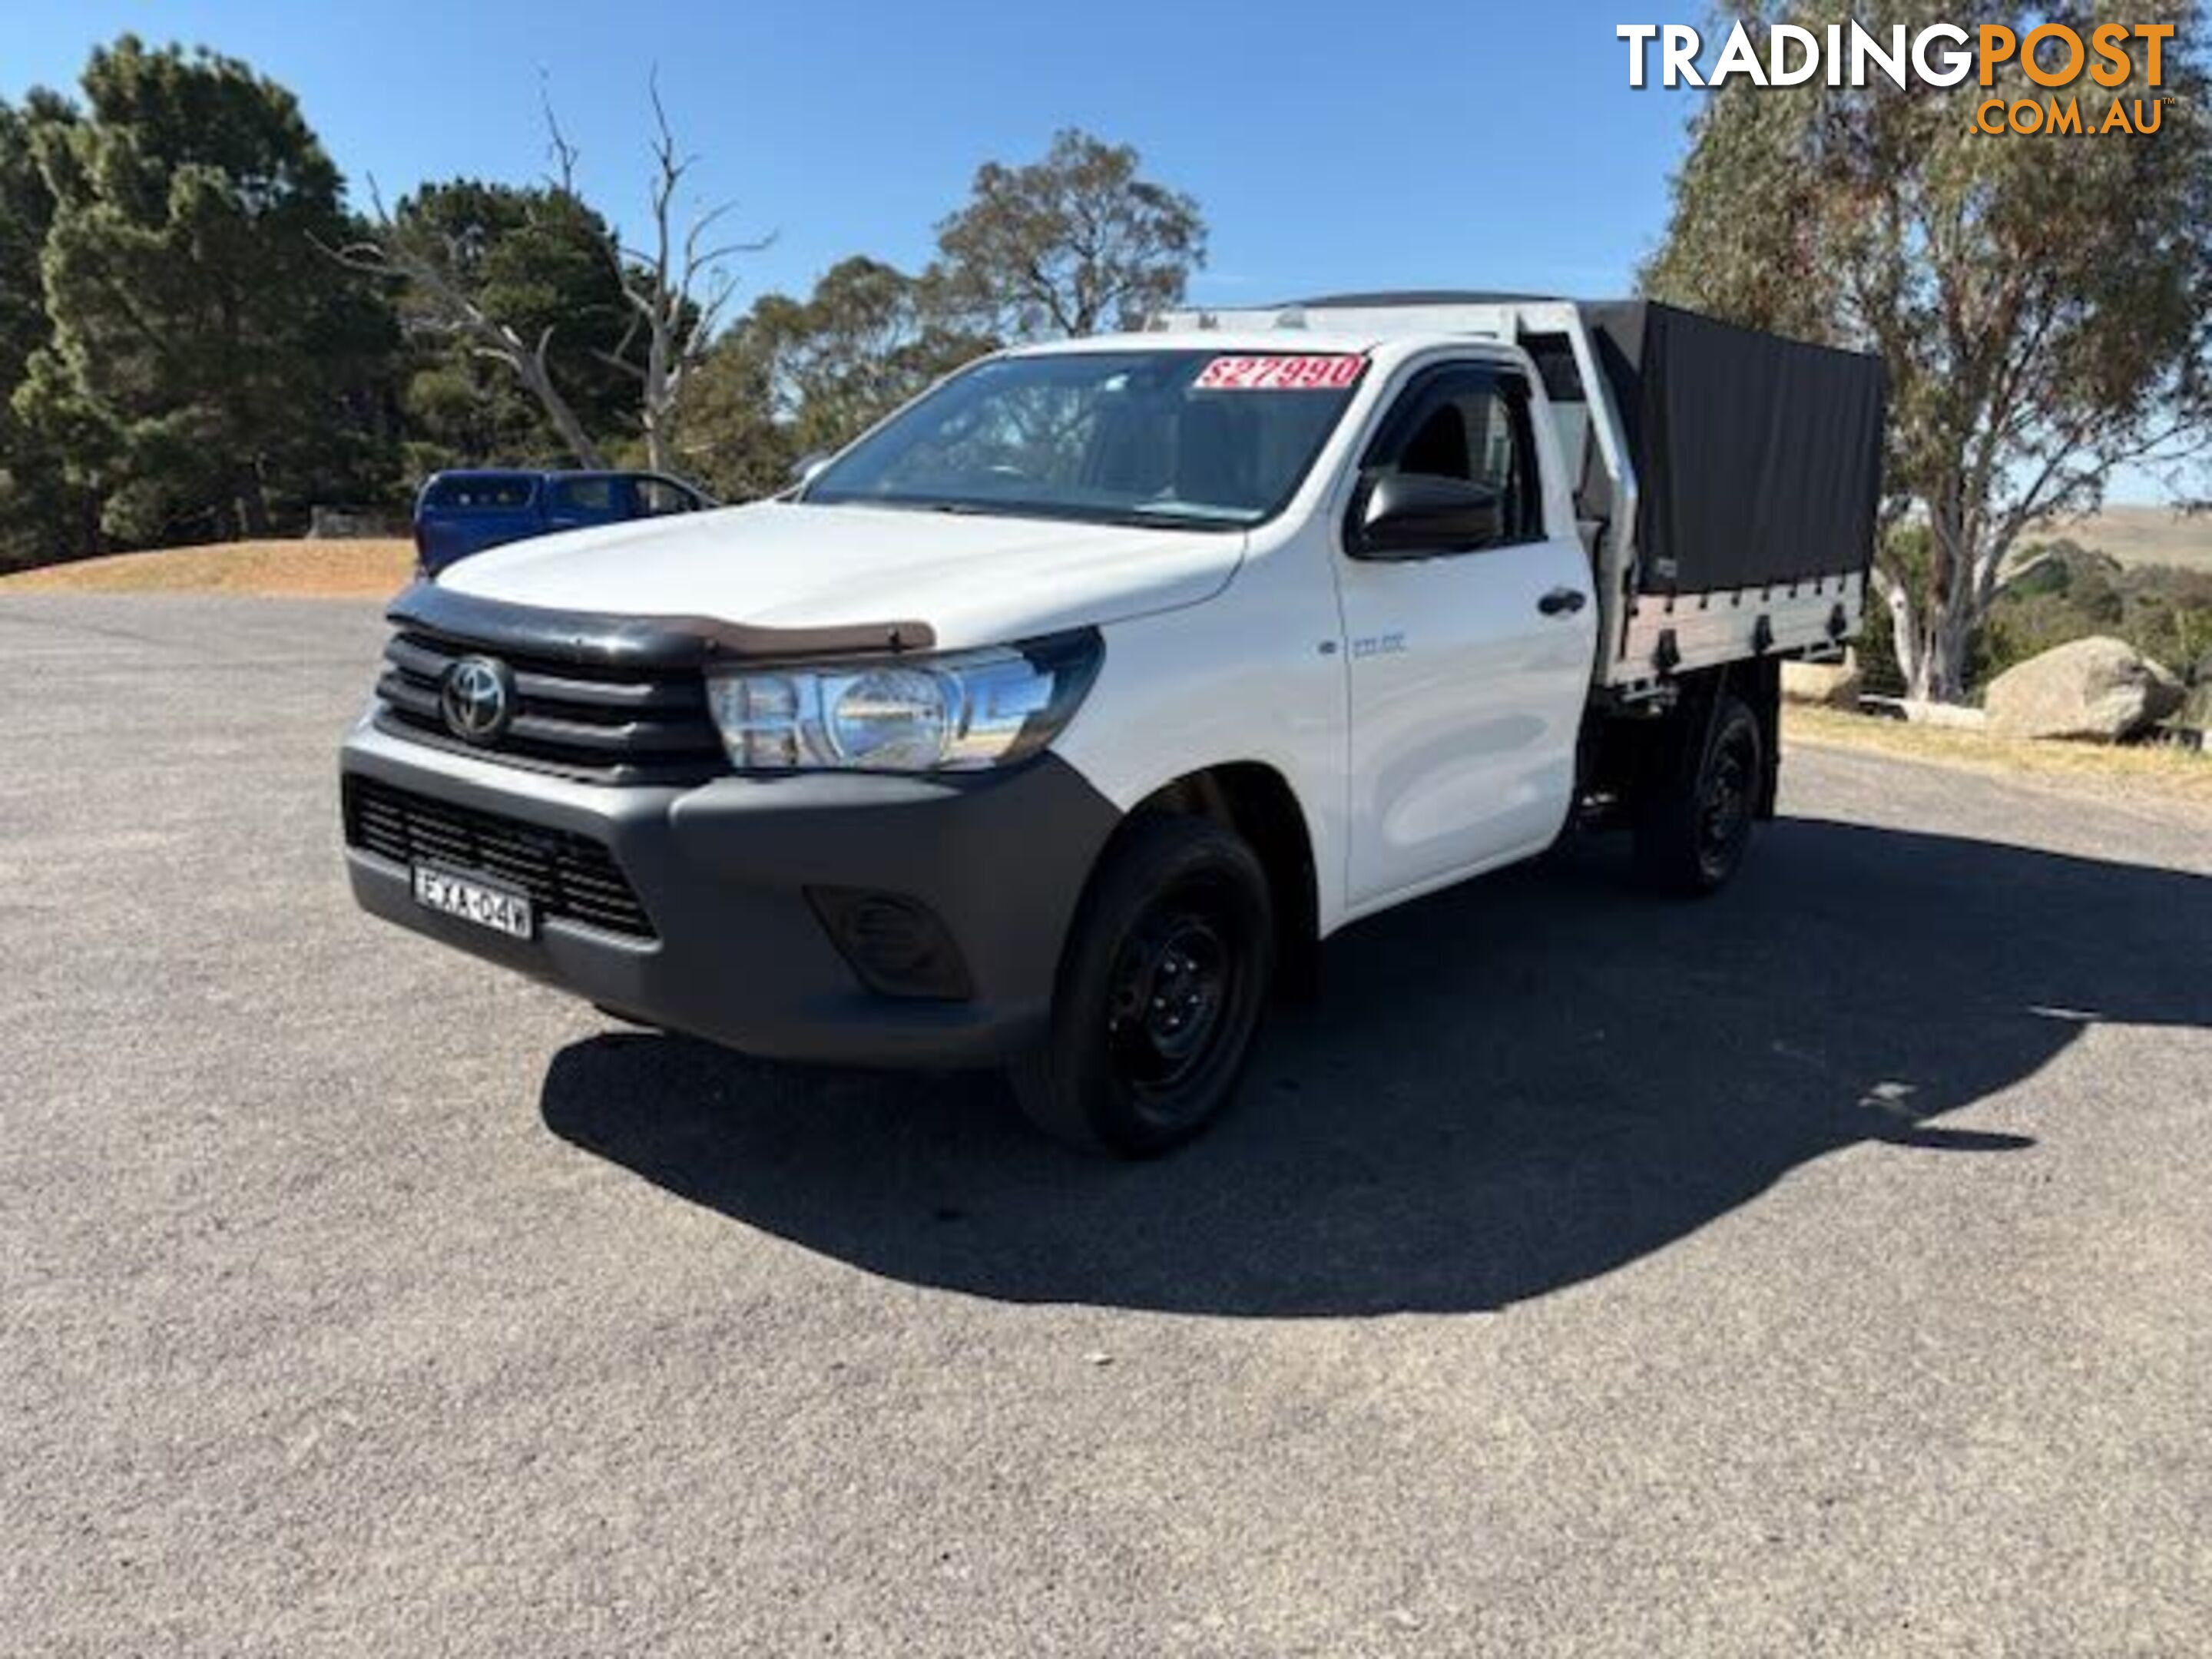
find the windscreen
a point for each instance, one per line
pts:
(1204, 439)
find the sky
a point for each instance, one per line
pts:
(1446, 143)
(1469, 143)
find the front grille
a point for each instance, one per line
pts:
(565, 874)
(600, 723)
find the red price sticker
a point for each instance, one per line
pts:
(1332, 372)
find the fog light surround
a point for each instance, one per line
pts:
(896, 944)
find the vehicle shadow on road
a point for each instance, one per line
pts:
(1507, 1089)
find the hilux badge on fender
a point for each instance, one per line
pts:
(478, 699)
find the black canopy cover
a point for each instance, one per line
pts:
(1759, 458)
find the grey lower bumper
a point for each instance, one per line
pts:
(740, 954)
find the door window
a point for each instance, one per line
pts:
(1470, 424)
(656, 496)
(592, 495)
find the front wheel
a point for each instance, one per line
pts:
(1160, 994)
(1692, 832)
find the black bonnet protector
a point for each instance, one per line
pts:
(589, 637)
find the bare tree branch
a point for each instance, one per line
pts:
(678, 287)
(390, 253)
(564, 154)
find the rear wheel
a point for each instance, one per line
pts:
(1160, 993)
(1692, 829)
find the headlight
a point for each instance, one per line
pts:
(961, 711)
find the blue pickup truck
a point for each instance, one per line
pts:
(460, 513)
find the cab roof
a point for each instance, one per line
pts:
(1282, 339)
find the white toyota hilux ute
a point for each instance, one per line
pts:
(1054, 723)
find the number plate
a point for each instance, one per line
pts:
(494, 907)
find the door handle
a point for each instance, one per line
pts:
(1561, 602)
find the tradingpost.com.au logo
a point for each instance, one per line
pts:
(2053, 57)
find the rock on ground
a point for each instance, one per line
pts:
(2100, 689)
(1835, 684)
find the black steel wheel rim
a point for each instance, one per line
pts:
(1724, 804)
(1173, 995)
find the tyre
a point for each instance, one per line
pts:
(1160, 994)
(1692, 829)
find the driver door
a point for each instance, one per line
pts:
(1469, 663)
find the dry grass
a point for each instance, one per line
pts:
(369, 569)
(2139, 534)
(2150, 770)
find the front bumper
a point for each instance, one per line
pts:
(730, 873)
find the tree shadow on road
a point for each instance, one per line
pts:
(1507, 1089)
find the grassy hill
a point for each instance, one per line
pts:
(2140, 535)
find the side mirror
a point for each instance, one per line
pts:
(1413, 514)
(804, 469)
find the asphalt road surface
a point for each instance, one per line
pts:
(1826, 1269)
